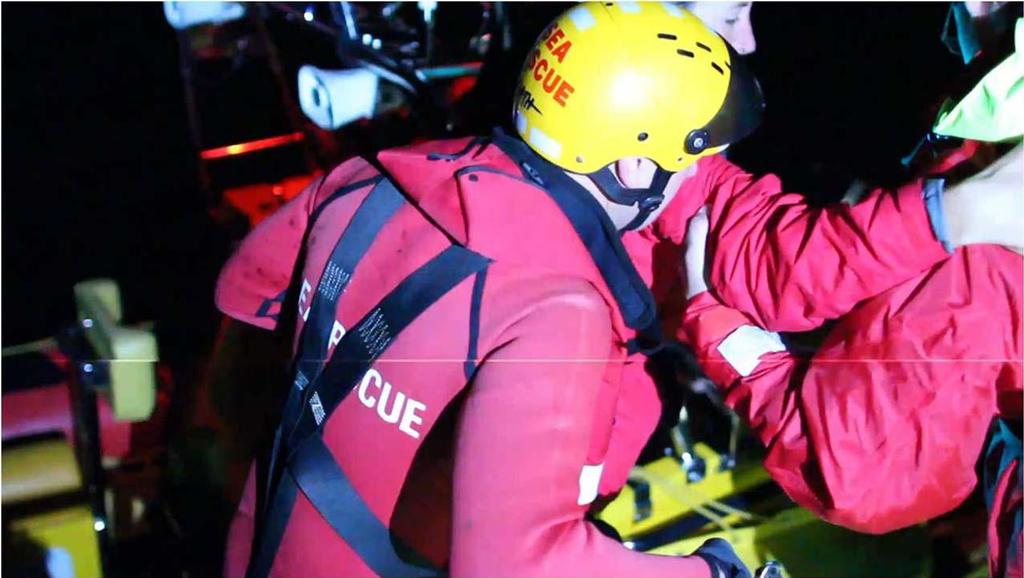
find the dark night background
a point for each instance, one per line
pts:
(99, 175)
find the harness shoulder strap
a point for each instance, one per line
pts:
(376, 209)
(303, 462)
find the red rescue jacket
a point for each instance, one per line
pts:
(788, 266)
(494, 479)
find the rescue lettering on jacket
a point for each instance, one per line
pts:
(403, 410)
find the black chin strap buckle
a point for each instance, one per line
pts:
(650, 204)
(647, 199)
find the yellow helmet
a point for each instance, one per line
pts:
(633, 79)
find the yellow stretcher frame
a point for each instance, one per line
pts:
(809, 547)
(672, 497)
(803, 543)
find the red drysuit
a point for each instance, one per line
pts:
(789, 266)
(882, 428)
(503, 487)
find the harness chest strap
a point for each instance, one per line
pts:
(308, 465)
(319, 388)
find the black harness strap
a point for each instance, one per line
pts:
(319, 389)
(378, 206)
(593, 228)
(375, 210)
(362, 345)
(323, 481)
(603, 242)
(474, 324)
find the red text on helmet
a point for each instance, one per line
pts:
(544, 72)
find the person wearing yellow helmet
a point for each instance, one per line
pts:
(463, 312)
(467, 311)
(612, 85)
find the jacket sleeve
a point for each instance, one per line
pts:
(253, 283)
(521, 490)
(905, 413)
(791, 266)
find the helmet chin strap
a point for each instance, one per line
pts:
(646, 199)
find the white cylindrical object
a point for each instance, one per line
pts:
(334, 98)
(181, 15)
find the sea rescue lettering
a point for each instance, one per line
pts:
(374, 392)
(402, 409)
(544, 68)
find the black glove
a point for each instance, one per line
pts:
(723, 559)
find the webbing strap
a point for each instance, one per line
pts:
(362, 345)
(325, 484)
(594, 229)
(376, 209)
(311, 402)
(312, 470)
(272, 526)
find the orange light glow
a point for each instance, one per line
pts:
(251, 146)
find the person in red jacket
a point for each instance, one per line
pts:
(497, 263)
(489, 263)
(882, 427)
(906, 388)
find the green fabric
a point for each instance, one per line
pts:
(992, 111)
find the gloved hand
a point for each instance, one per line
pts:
(723, 559)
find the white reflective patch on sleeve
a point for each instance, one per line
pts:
(590, 478)
(545, 144)
(582, 18)
(629, 7)
(744, 347)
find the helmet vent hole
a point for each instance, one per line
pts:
(729, 66)
(704, 46)
(685, 53)
(641, 137)
(665, 36)
(718, 68)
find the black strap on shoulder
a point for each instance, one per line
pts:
(474, 324)
(594, 229)
(376, 209)
(341, 192)
(352, 357)
(365, 342)
(301, 461)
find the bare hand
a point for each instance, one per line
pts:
(989, 206)
(695, 247)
